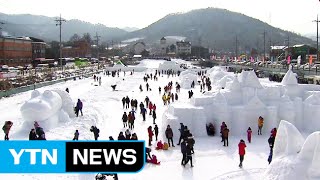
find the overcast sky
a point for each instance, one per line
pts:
(293, 15)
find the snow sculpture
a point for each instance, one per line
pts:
(293, 156)
(311, 110)
(250, 79)
(48, 109)
(187, 79)
(287, 110)
(290, 78)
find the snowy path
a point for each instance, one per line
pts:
(103, 107)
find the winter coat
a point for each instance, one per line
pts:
(225, 133)
(159, 145)
(249, 132)
(271, 141)
(188, 150)
(273, 132)
(222, 127)
(156, 130)
(150, 133)
(154, 115)
(242, 147)
(141, 105)
(79, 104)
(150, 106)
(76, 135)
(124, 118)
(143, 111)
(154, 107)
(183, 148)
(169, 133)
(32, 136)
(191, 141)
(123, 100)
(127, 100)
(121, 137)
(6, 128)
(260, 122)
(181, 129)
(131, 118)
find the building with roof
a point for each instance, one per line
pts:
(80, 49)
(15, 51)
(38, 48)
(138, 47)
(183, 48)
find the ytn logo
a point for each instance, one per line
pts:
(116, 156)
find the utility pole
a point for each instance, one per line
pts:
(270, 42)
(59, 23)
(264, 45)
(97, 39)
(317, 21)
(236, 47)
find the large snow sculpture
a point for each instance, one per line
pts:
(293, 156)
(48, 109)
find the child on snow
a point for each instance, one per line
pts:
(260, 125)
(249, 132)
(153, 160)
(159, 145)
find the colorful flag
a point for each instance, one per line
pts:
(310, 60)
(289, 59)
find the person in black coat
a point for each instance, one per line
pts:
(156, 131)
(181, 133)
(148, 150)
(271, 142)
(154, 116)
(95, 131)
(33, 135)
(123, 102)
(184, 152)
(121, 136)
(189, 155)
(125, 119)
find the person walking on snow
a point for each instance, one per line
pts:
(156, 131)
(154, 116)
(76, 135)
(189, 156)
(150, 107)
(141, 105)
(184, 152)
(150, 134)
(79, 107)
(249, 132)
(147, 101)
(127, 102)
(169, 135)
(260, 125)
(181, 133)
(130, 120)
(124, 119)
(6, 128)
(242, 151)
(143, 112)
(123, 102)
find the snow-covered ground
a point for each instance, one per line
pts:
(102, 107)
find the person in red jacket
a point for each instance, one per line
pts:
(274, 132)
(249, 132)
(150, 134)
(150, 107)
(242, 146)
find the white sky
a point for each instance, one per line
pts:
(293, 15)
